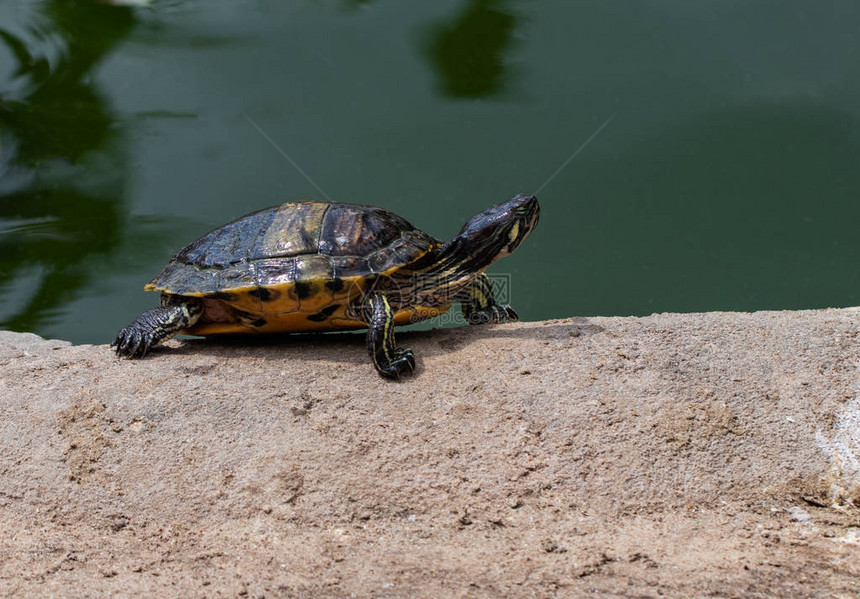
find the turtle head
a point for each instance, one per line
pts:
(499, 230)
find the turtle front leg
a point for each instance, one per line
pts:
(156, 325)
(389, 361)
(479, 304)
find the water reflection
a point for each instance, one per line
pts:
(468, 52)
(356, 4)
(742, 207)
(62, 174)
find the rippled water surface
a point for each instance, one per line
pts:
(723, 174)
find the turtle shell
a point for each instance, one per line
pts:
(293, 267)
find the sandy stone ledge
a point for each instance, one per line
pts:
(678, 455)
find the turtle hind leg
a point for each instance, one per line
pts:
(156, 325)
(479, 304)
(390, 361)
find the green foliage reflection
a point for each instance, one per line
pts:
(61, 175)
(468, 53)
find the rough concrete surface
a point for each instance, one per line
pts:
(675, 455)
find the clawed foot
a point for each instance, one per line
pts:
(133, 342)
(156, 325)
(493, 314)
(402, 362)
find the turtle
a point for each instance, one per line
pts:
(322, 266)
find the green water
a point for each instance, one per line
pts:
(728, 178)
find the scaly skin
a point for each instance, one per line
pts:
(479, 305)
(156, 325)
(390, 361)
